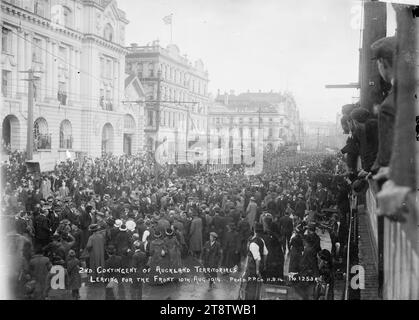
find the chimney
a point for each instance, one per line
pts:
(226, 98)
(218, 92)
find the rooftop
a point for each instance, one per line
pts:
(171, 51)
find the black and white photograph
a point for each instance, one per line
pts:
(229, 151)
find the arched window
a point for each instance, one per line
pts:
(39, 7)
(66, 138)
(107, 138)
(108, 32)
(68, 17)
(129, 124)
(41, 137)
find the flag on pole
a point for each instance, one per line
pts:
(168, 19)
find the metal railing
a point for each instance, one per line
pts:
(352, 244)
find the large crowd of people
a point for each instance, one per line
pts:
(108, 213)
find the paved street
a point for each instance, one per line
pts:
(224, 290)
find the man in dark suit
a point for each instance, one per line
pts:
(285, 226)
(86, 219)
(42, 229)
(113, 263)
(383, 51)
(139, 262)
(300, 206)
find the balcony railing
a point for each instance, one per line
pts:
(42, 142)
(106, 104)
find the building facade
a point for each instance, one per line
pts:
(241, 122)
(77, 49)
(319, 135)
(176, 105)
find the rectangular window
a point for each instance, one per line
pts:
(62, 86)
(102, 98)
(39, 8)
(63, 58)
(102, 67)
(150, 117)
(5, 82)
(6, 40)
(151, 70)
(108, 69)
(36, 50)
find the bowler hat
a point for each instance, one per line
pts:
(93, 227)
(347, 108)
(360, 185)
(169, 232)
(157, 234)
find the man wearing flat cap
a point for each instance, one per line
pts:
(211, 257)
(383, 50)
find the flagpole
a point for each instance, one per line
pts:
(171, 29)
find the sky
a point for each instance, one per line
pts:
(297, 46)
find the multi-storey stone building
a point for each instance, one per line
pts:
(78, 48)
(240, 122)
(176, 100)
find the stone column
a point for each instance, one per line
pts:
(78, 76)
(72, 76)
(55, 63)
(49, 69)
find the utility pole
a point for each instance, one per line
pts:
(318, 139)
(157, 142)
(29, 132)
(187, 133)
(375, 25)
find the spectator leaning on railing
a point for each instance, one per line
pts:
(383, 51)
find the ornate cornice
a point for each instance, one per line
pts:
(101, 41)
(23, 14)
